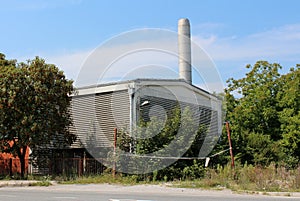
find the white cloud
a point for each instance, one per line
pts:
(281, 43)
(126, 56)
(205, 41)
(285, 33)
(70, 63)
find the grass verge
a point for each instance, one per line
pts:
(41, 183)
(100, 179)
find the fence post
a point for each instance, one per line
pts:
(10, 167)
(115, 147)
(230, 145)
(84, 162)
(79, 167)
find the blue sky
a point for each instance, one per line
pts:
(233, 33)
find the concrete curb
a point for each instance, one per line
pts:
(24, 183)
(283, 194)
(20, 183)
(273, 194)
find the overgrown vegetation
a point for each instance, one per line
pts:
(104, 178)
(248, 178)
(263, 109)
(41, 183)
(186, 143)
(242, 178)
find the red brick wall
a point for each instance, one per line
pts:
(7, 160)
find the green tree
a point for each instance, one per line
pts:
(289, 115)
(263, 109)
(252, 111)
(166, 139)
(34, 107)
(165, 133)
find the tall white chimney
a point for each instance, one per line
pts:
(184, 50)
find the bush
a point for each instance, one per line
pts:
(195, 171)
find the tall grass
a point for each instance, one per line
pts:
(249, 177)
(242, 177)
(104, 178)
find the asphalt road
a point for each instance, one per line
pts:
(121, 193)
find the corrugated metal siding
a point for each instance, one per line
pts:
(96, 116)
(83, 115)
(161, 101)
(112, 111)
(201, 114)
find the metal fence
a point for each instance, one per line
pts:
(56, 166)
(75, 166)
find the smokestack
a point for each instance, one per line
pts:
(184, 50)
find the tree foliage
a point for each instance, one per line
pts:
(34, 107)
(289, 114)
(168, 140)
(263, 109)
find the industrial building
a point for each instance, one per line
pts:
(98, 110)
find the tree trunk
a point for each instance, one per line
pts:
(22, 161)
(10, 167)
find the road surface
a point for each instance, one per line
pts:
(93, 192)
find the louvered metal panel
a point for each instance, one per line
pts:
(161, 108)
(112, 111)
(83, 114)
(95, 116)
(205, 112)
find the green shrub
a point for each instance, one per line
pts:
(195, 171)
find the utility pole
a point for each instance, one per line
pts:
(230, 145)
